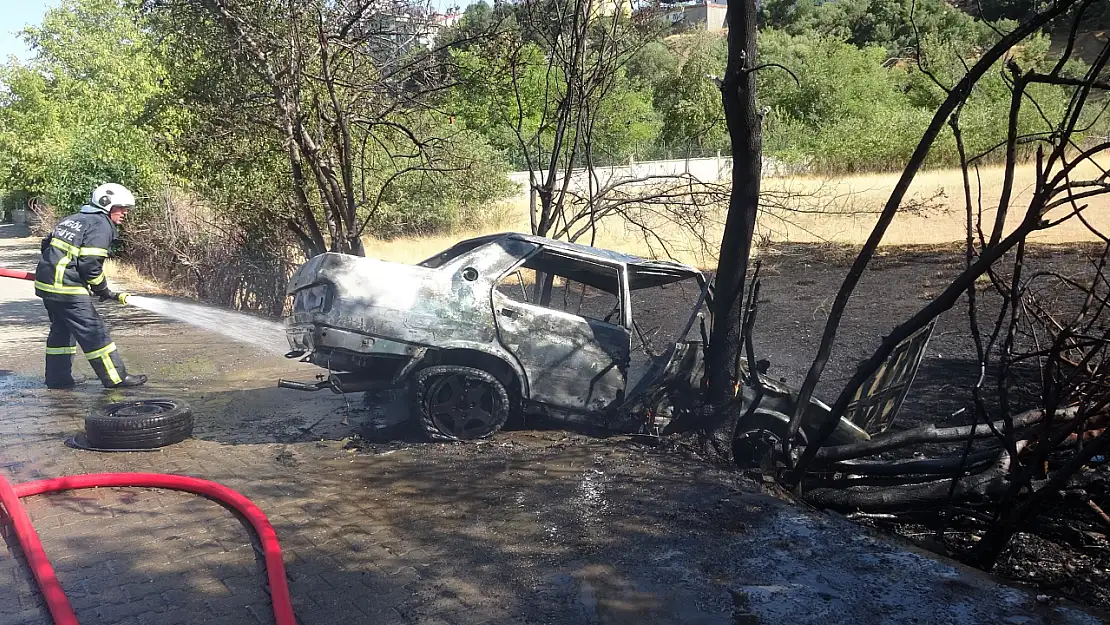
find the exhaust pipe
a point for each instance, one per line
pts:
(303, 386)
(339, 383)
(21, 275)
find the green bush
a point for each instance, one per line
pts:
(846, 112)
(854, 111)
(892, 24)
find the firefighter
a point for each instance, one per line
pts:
(70, 268)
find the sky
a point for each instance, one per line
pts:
(14, 15)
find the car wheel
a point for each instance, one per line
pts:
(145, 424)
(757, 443)
(459, 403)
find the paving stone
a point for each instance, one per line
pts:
(166, 617)
(115, 612)
(25, 617)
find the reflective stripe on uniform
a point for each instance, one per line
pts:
(103, 351)
(61, 351)
(68, 248)
(61, 289)
(60, 270)
(105, 356)
(97, 280)
(110, 367)
(73, 250)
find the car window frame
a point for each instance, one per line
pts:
(623, 298)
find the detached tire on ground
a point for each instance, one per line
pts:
(757, 441)
(145, 424)
(456, 403)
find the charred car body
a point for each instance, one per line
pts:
(512, 323)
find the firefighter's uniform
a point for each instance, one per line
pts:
(71, 266)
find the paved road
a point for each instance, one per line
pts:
(537, 526)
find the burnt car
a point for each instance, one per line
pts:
(515, 324)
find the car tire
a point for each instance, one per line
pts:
(757, 441)
(144, 424)
(455, 403)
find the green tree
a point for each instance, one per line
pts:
(984, 113)
(508, 92)
(846, 111)
(893, 24)
(687, 100)
(562, 91)
(342, 120)
(73, 116)
(649, 64)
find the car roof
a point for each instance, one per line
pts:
(643, 272)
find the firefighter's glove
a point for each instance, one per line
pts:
(109, 294)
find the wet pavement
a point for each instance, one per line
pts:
(533, 526)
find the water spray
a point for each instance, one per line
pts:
(263, 334)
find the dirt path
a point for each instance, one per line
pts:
(530, 527)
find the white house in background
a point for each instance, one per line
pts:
(448, 19)
(702, 15)
(402, 26)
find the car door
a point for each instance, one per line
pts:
(561, 317)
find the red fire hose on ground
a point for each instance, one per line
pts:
(12, 273)
(60, 609)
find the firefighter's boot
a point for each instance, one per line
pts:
(130, 380)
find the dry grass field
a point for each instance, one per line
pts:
(823, 210)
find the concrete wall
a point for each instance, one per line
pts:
(712, 169)
(715, 16)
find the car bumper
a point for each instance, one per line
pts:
(311, 337)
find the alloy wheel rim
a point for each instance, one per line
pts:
(462, 406)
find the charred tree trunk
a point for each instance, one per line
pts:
(738, 97)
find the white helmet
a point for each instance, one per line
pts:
(111, 194)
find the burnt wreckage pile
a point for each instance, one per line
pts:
(1043, 456)
(862, 464)
(1033, 438)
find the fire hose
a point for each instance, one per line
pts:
(12, 273)
(23, 275)
(60, 609)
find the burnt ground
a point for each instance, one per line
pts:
(798, 287)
